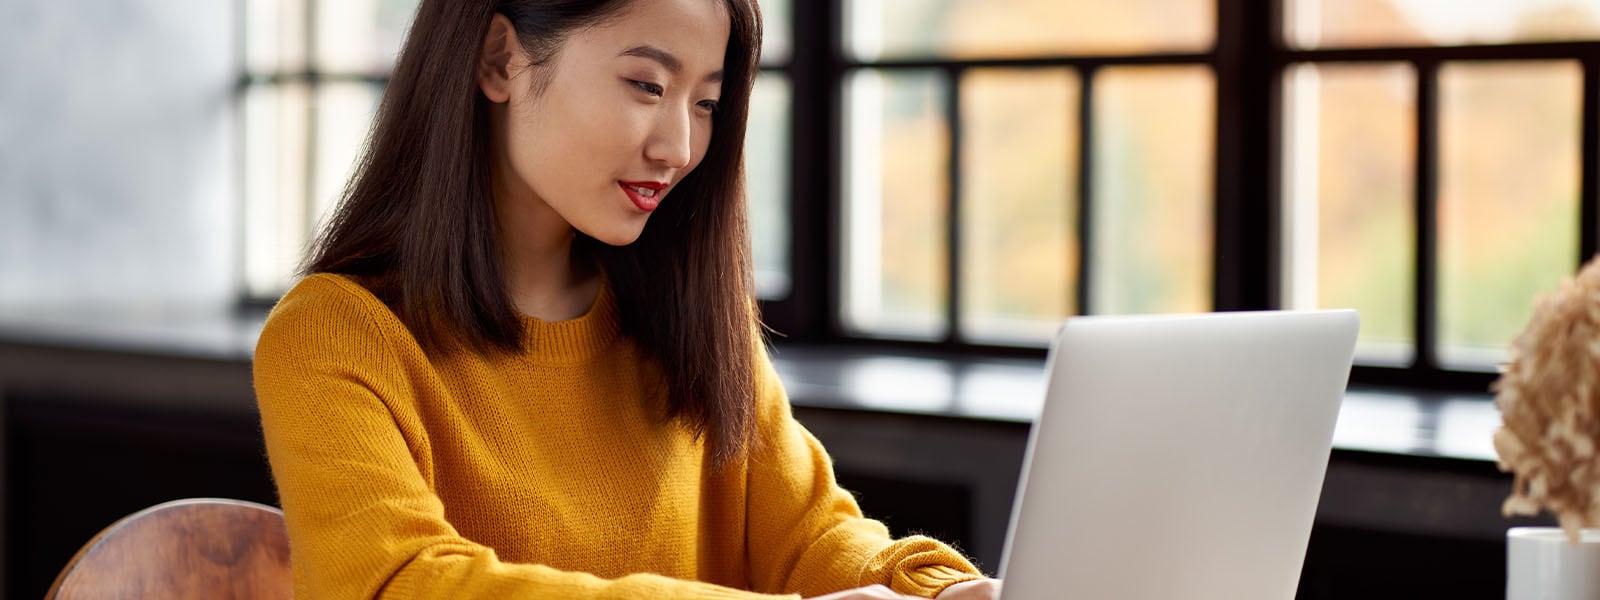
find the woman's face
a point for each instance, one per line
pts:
(602, 131)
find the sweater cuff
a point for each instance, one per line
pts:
(932, 580)
(920, 566)
(707, 591)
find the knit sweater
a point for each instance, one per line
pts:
(544, 474)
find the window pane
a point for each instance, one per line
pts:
(1324, 23)
(896, 204)
(1508, 199)
(361, 36)
(1152, 190)
(1350, 218)
(777, 32)
(1019, 258)
(275, 129)
(965, 28)
(275, 35)
(767, 175)
(344, 117)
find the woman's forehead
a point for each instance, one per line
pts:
(691, 33)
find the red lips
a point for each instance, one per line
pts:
(646, 195)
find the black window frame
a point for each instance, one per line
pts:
(312, 77)
(1426, 370)
(1249, 59)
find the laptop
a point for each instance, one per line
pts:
(1178, 456)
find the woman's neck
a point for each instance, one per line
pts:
(554, 286)
(545, 278)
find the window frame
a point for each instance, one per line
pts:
(1250, 60)
(1426, 62)
(313, 78)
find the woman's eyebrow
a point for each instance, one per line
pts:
(666, 59)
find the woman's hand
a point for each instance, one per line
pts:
(977, 589)
(871, 592)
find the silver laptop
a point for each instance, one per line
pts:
(1178, 456)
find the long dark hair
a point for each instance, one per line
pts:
(417, 221)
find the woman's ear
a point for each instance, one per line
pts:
(498, 58)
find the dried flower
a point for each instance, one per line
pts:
(1549, 399)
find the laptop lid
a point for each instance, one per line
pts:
(1178, 456)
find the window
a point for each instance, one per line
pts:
(962, 175)
(996, 167)
(1005, 168)
(767, 153)
(314, 72)
(1435, 170)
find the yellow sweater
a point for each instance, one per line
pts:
(541, 475)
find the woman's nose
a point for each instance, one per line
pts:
(670, 142)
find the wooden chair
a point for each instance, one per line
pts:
(196, 548)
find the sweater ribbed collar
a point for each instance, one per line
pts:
(575, 340)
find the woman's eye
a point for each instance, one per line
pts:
(709, 105)
(647, 87)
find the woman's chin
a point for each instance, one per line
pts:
(618, 236)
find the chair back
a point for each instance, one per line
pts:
(197, 548)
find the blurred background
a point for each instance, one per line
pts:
(948, 178)
(968, 173)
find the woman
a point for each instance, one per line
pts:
(497, 381)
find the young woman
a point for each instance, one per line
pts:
(524, 362)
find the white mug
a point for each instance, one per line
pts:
(1542, 564)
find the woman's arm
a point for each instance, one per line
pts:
(806, 533)
(351, 463)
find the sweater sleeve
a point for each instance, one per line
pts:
(363, 519)
(807, 535)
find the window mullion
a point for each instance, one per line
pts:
(1085, 166)
(952, 107)
(1246, 62)
(811, 310)
(1427, 203)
